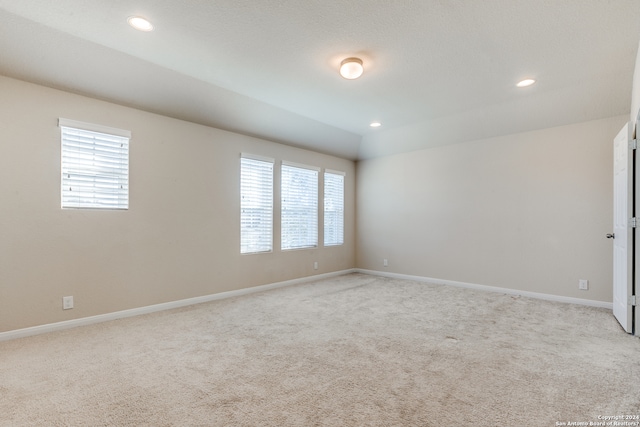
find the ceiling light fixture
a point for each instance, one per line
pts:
(375, 124)
(351, 68)
(140, 23)
(526, 82)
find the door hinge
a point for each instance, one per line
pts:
(633, 144)
(633, 222)
(632, 300)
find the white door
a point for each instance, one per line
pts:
(623, 233)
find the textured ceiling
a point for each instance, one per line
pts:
(436, 71)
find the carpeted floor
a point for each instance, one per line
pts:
(355, 350)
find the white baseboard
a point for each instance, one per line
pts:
(538, 295)
(68, 324)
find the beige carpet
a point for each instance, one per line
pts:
(356, 350)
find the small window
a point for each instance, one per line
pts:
(256, 205)
(95, 166)
(333, 208)
(299, 187)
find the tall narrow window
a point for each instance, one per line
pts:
(299, 186)
(256, 204)
(95, 166)
(333, 208)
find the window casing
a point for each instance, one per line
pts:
(94, 165)
(256, 205)
(299, 204)
(333, 208)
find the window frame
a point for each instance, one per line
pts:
(72, 159)
(340, 241)
(284, 206)
(256, 158)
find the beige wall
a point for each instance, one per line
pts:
(528, 211)
(180, 237)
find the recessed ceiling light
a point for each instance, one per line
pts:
(526, 82)
(375, 124)
(351, 68)
(140, 23)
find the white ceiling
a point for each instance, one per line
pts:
(436, 71)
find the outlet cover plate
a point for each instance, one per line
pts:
(67, 303)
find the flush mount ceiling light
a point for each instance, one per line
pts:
(351, 68)
(375, 124)
(526, 82)
(140, 23)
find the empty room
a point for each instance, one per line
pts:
(319, 213)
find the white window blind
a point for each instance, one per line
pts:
(95, 166)
(256, 205)
(333, 209)
(299, 188)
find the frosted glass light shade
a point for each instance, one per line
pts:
(351, 68)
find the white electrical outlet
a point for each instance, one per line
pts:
(385, 263)
(67, 303)
(315, 265)
(583, 284)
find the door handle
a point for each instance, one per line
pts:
(611, 236)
